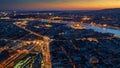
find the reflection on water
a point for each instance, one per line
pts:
(116, 32)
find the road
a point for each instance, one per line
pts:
(68, 56)
(44, 47)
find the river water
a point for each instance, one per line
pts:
(116, 32)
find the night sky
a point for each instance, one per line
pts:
(59, 4)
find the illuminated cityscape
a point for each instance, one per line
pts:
(61, 36)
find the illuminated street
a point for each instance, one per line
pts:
(60, 39)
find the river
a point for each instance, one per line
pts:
(116, 32)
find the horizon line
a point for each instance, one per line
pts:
(54, 9)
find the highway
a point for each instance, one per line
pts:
(17, 57)
(20, 54)
(44, 47)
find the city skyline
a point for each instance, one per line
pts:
(59, 4)
(59, 34)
